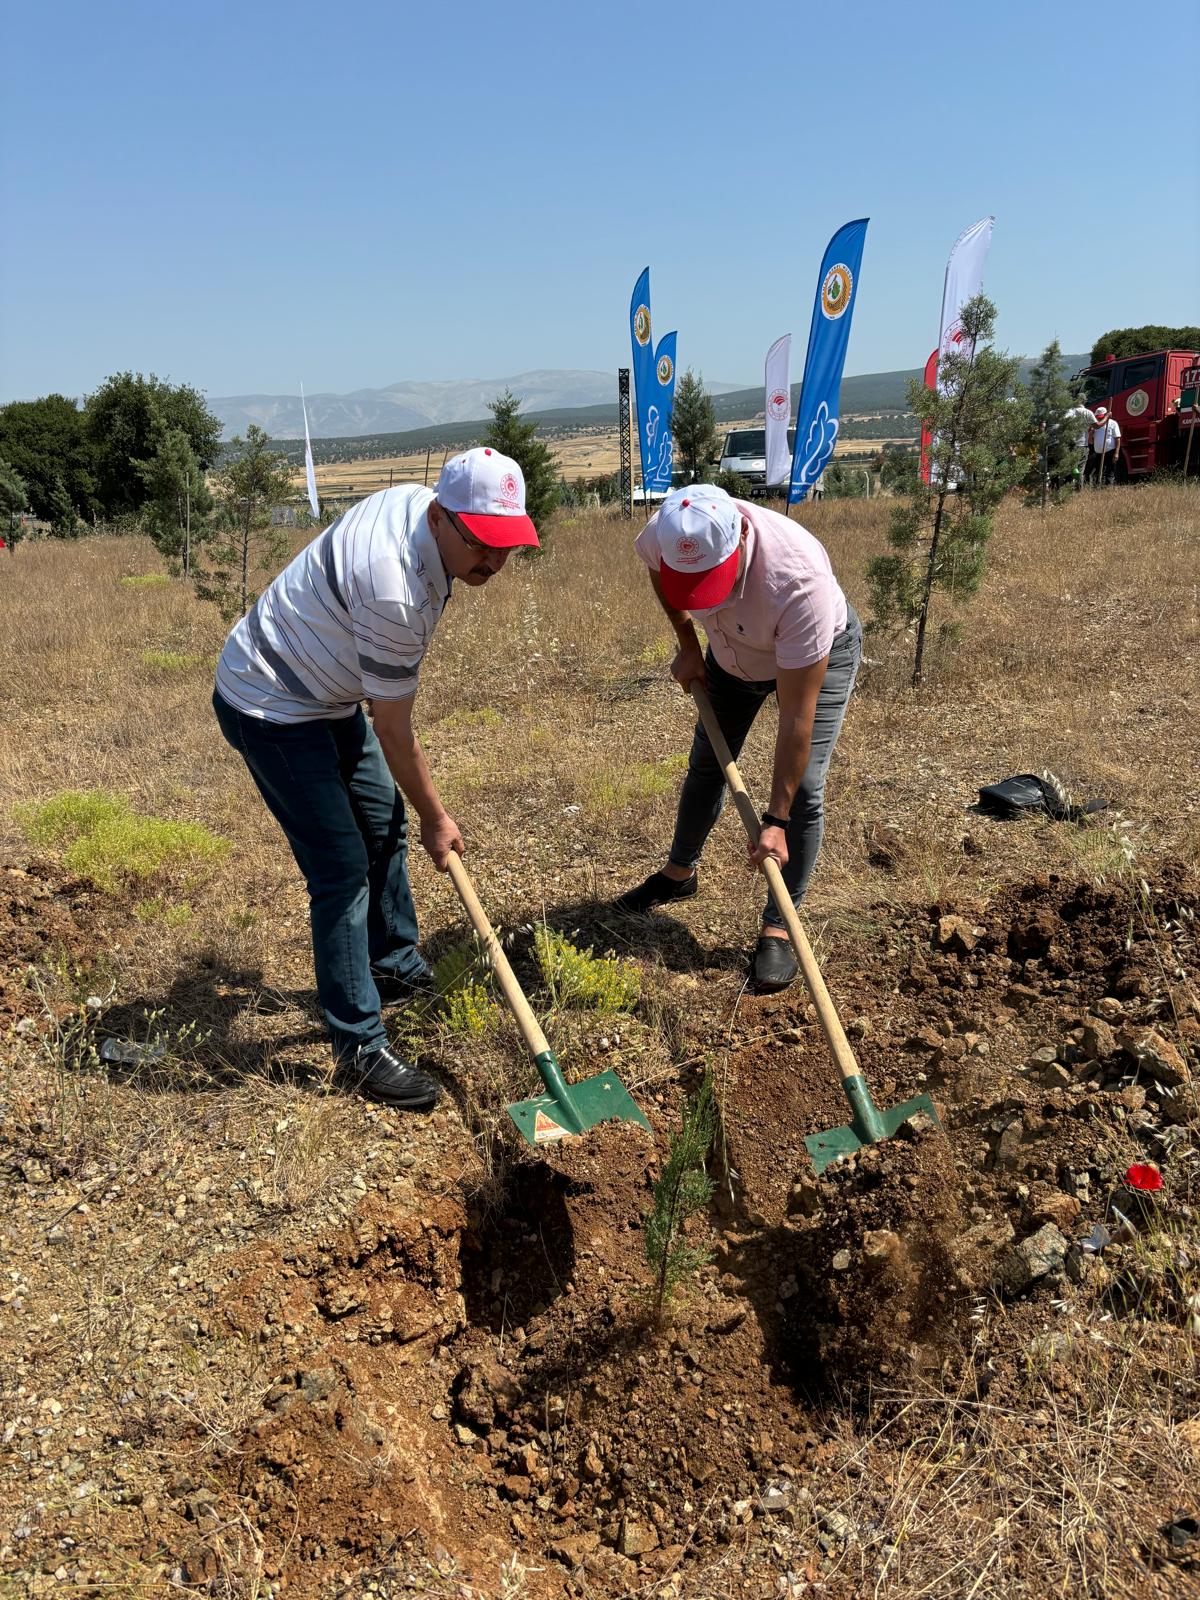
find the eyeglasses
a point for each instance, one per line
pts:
(469, 539)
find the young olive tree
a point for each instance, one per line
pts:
(978, 416)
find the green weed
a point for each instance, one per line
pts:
(465, 1005)
(157, 909)
(645, 780)
(484, 717)
(102, 838)
(580, 979)
(169, 660)
(147, 580)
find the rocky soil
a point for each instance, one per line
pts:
(223, 1378)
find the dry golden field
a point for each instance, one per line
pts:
(584, 455)
(245, 1315)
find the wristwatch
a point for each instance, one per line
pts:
(768, 821)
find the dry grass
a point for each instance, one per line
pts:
(552, 725)
(590, 454)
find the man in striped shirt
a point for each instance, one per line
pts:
(351, 619)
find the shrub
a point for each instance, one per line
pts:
(578, 978)
(465, 1004)
(102, 838)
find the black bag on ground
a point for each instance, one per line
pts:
(1018, 796)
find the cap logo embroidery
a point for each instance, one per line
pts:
(508, 490)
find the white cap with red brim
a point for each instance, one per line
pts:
(486, 492)
(699, 530)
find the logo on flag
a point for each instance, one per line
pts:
(817, 415)
(836, 291)
(779, 404)
(665, 368)
(641, 324)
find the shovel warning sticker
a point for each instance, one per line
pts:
(544, 1130)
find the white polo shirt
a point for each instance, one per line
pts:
(349, 619)
(1106, 436)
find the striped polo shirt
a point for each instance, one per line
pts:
(349, 619)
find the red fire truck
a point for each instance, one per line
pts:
(1142, 394)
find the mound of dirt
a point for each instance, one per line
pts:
(47, 919)
(884, 1270)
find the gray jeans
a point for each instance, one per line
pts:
(736, 703)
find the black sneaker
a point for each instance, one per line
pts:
(774, 965)
(398, 991)
(381, 1075)
(657, 890)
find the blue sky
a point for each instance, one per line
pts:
(244, 195)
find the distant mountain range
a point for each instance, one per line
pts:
(401, 407)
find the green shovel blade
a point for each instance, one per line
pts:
(548, 1117)
(868, 1126)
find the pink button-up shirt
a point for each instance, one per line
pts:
(786, 607)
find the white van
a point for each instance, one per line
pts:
(745, 452)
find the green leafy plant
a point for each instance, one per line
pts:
(682, 1191)
(104, 839)
(577, 978)
(464, 1003)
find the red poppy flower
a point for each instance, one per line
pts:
(1145, 1178)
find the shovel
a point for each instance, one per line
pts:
(566, 1109)
(867, 1125)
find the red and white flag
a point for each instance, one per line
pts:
(964, 280)
(309, 471)
(777, 409)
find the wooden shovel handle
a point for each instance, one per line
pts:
(839, 1045)
(530, 1028)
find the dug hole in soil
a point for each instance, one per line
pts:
(488, 1376)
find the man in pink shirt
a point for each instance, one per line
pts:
(777, 622)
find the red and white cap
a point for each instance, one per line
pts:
(699, 529)
(1100, 413)
(486, 492)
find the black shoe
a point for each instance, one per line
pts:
(657, 890)
(774, 964)
(381, 1075)
(398, 991)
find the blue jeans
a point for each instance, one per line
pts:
(736, 703)
(329, 788)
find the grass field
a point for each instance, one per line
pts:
(189, 1241)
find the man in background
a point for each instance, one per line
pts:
(1104, 448)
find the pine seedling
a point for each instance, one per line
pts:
(682, 1190)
